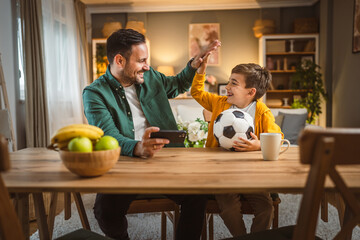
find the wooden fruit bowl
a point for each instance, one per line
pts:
(90, 164)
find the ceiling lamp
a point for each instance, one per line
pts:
(110, 27)
(137, 26)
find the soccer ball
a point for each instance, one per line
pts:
(232, 124)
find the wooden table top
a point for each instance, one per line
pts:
(170, 171)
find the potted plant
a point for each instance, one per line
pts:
(308, 77)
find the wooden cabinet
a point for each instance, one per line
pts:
(281, 53)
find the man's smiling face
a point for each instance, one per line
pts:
(136, 65)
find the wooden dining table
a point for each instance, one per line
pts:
(170, 171)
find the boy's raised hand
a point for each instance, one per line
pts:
(244, 145)
(198, 59)
(202, 68)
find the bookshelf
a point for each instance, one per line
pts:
(281, 53)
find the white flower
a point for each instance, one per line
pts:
(194, 127)
(184, 124)
(200, 134)
(193, 137)
(196, 131)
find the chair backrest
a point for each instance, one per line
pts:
(4, 154)
(10, 227)
(5, 127)
(323, 149)
(207, 115)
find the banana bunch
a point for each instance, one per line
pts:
(64, 135)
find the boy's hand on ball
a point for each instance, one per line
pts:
(244, 145)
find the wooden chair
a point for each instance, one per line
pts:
(212, 207)
(10, 227)
(157, 203)
(324, 150)
(143, 204)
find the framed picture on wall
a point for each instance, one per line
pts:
(221, 89)
(201, 35)
(99, 58)
(356, 31)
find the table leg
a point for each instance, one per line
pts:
(324, 207)
(67, 205)
(347, 216)
(52, 212)
(22, 209)
(41, 217)
(81, 210)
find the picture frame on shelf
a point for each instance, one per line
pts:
(356, 28)
(221, 89)
(99, 57)
(310, 46)
(201, 35)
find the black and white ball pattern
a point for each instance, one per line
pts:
(232, 124)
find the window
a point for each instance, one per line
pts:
(20, 54)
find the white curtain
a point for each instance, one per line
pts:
(64, 66)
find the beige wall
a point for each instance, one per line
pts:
(168, 33)
(346, 68)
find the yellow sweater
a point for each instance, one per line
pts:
(264, 119)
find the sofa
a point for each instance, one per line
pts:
(291, 121)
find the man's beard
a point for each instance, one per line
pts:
(132, 79)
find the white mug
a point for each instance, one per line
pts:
(270, 145)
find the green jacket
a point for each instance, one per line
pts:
(105, 104)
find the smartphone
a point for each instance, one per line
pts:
(174, 136)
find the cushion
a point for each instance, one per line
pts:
(174, 112)
(275, 111)
(279, 120)
(292, 125)
(189, 113)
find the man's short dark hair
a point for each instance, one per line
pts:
(255, 77)
(121, 41)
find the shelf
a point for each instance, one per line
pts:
(289, 50)
(289, 53)
(282, 71)
(182, 97)
(287, 91)
(275, 106)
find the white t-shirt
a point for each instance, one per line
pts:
(250, 109)
(139, 119)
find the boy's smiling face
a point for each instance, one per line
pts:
(237, 93)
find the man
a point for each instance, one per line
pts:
(129, 102)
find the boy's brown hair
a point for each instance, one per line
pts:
(255, 77)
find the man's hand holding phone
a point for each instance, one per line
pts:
(175, 136)
(147, 147)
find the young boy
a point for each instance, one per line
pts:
(247, 83)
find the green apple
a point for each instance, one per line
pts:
(106, 143)
(80, 144)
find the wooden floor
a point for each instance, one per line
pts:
(59, 208)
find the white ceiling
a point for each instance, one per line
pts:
(188, 5)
